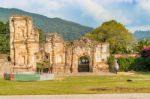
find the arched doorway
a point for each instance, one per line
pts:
(83, 64)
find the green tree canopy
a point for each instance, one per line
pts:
(140, 45)
(4, 37)
(119, 38)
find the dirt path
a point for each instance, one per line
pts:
(89, 96)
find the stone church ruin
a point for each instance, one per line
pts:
(83, 55)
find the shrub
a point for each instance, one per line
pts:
(143, 63)
(145, 52)
(39, 65)
(140, 64)
(110, 62)
(126, 64)
(137, 64)
(147, 61)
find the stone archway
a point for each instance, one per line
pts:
(83, 64)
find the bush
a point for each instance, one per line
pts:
(43, 64)
(139, 64)
(110, 62)
(136, 64)
(126, 64)
(145, 52)
(143, 63)
(39, 65)
(147, 61)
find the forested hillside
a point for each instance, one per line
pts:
(69, 30)
(139, 35)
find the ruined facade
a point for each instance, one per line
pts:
(83, 55)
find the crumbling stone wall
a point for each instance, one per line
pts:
(63, 56)
(24, 43)
(55, 47)
(97, 54)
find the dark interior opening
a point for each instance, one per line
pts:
(83, 64)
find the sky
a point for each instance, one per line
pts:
(134, 14)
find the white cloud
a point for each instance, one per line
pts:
(13, 3)
(144, 5)
(142, 27)
(49, 8)
(100, 11)
(117, 1)
(95, 8)
(50, 4)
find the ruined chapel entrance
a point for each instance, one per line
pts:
(83, 64)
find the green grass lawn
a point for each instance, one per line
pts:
(80, 85)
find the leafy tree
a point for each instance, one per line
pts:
(140, 45)
(41, 36)
(4, 37)
(116, 34)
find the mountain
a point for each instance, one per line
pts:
(69, 30)
(139, 35)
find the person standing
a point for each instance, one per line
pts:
(116, 66)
